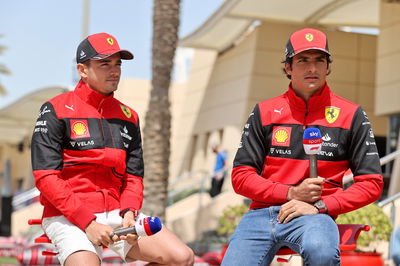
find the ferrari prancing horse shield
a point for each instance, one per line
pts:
(331, 113)
(126, 111)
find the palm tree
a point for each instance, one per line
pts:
(157, 130)
(3, 69)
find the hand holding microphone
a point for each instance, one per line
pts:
(311, 188)
(146, 226)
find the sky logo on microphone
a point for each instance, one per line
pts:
(312, 141)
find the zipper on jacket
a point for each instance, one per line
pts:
(305, 117)
(100, 110)
(102, 130)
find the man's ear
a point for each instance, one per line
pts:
(82, 70)
(288, 69)
(328, 71)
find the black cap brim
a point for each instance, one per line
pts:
(125, 55)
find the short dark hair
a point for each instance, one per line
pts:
(86, 63)
(289, 60)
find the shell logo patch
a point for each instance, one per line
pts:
(79, 129)
(331, 113)
(126, 111)
(281, 136)
(110, 41)
(309, 37)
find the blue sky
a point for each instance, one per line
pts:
(42, 36)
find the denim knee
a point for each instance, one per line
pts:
(319, 253)
(396, 258)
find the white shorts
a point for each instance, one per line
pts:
(68, 238)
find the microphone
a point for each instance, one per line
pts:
(146, 226)
(312, 143)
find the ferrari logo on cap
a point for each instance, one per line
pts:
(110, 41)
(126, 111)
(331, 113)
(309, 37)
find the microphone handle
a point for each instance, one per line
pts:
(124, 231)
(313, 166)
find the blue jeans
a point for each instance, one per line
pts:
(395, 246)
(259, 236)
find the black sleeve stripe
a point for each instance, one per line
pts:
(47, 139)
(252, 147)
(134, 160)
(363, 153)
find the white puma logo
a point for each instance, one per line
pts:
(278, 111)
(70, 107)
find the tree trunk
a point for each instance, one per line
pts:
(157, 130)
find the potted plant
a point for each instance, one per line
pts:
(367, 243)
(207, 246)
(229, 221)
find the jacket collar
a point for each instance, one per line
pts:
(91, 96)
(320, 98)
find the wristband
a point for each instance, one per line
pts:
(321, 207)
(135, 213)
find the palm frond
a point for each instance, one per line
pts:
(2, 90)
(4, 70)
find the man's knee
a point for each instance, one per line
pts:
(184, 256)
(82, 257)
(396, 258)
(318, 253)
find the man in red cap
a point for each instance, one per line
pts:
(87, 163)
(271, 168)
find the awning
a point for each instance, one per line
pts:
(234, 17)
(17, 119)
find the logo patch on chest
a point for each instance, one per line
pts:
(331, 113)
(79, 128)
(281, 136)
(126, 111)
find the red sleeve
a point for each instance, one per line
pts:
(249, 163)
(365, 190)
(132, 183)
(60, 194)
(364, 163)
(247, 182)
(47, 161)
(131, 192)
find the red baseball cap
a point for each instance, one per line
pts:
(306, 39)
(99, 46)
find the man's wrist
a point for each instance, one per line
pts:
(289, 195)
(320, 206)
(134, 212)
(89, 224)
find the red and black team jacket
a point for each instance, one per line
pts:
(87, 156)
(271, 157)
